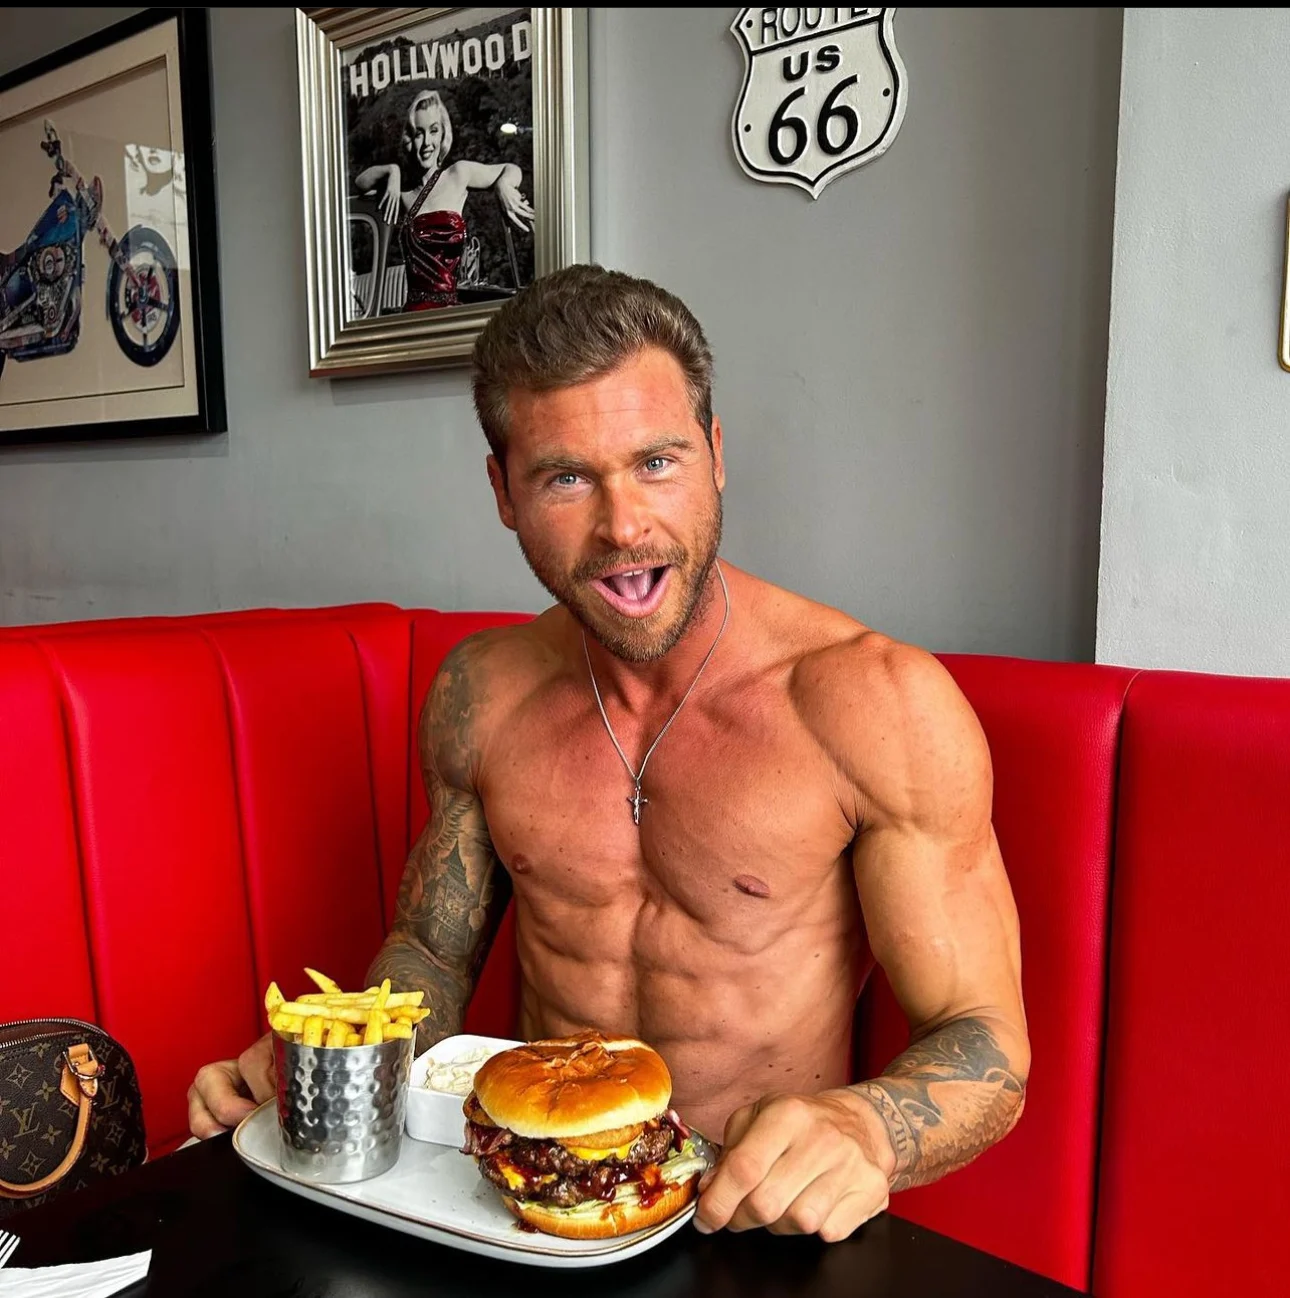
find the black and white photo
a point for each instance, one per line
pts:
(445, 169)
(439, 146)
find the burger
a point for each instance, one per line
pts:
(577, 1135)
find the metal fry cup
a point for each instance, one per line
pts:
(341, 1108)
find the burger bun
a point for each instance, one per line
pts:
(573, 1086)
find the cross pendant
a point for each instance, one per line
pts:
(637, 802)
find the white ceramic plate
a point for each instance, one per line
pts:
(437, 1193)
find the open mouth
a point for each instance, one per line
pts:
(636, 593)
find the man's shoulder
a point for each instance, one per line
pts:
(851, 671)
(827, 650)
(861, 665)
(475, 688)
(890, 717)
(489, 665)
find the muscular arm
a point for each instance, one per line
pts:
(454, 890)
(912, 773)
(945, 1100)
(942, 923)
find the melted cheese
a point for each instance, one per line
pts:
(512, 1177)
(595, 1155)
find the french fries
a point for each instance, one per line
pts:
(321, 981)
(377, 1018)
(331, 1017)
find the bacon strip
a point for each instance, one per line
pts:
(681, 1131)
(482, 1141)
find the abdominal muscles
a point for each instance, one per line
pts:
(756, 998)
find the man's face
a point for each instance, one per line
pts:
(615, 497)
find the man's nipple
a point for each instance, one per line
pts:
(752, 885)
(520, 864)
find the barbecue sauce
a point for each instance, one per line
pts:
(652, 1186)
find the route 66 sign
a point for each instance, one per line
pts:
(824, 92)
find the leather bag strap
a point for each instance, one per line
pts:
(80, 1079)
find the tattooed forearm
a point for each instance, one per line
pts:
(948, 1098)
(411, 968)
(450, 904)
(454, 890)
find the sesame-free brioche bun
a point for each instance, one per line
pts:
(604, 1220)
(573, 1086)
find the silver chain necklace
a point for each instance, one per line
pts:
(637, 776)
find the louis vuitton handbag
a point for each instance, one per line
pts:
(70, 1112)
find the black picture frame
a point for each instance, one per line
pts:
(203, 322)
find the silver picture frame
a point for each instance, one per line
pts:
(343, 342)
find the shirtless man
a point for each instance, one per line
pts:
(813, 796)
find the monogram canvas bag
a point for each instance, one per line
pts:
(70, 1112)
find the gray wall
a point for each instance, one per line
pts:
(1196, 547)
(910, 370)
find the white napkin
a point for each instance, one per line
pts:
(76, 1279)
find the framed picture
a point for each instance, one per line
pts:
(1283, 343)
(109, 281)
(444, 156)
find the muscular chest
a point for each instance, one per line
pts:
(742, 820)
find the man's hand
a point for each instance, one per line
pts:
(223, 1093)
(798, 1165)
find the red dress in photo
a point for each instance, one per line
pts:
(432, 244)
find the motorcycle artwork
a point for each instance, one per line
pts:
(41, 280)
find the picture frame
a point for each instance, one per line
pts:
(444, 157)
(109, 274)
(1283, 335)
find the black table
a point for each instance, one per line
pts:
(217, 1228)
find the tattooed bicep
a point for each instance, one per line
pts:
(454, 889)
(450, 736)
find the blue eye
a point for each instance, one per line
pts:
(565, 480)
(656, 463)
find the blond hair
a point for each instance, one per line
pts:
(577, 324)
(434, 98)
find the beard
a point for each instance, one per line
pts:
(635, 640)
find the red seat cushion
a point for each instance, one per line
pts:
(1053, 734)
(383, 643)
(45, 966)
(231, 789)
(187, 622)
(157, 821)
(1195, 1182)
(297, 713)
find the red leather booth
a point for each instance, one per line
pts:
(192, 806)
